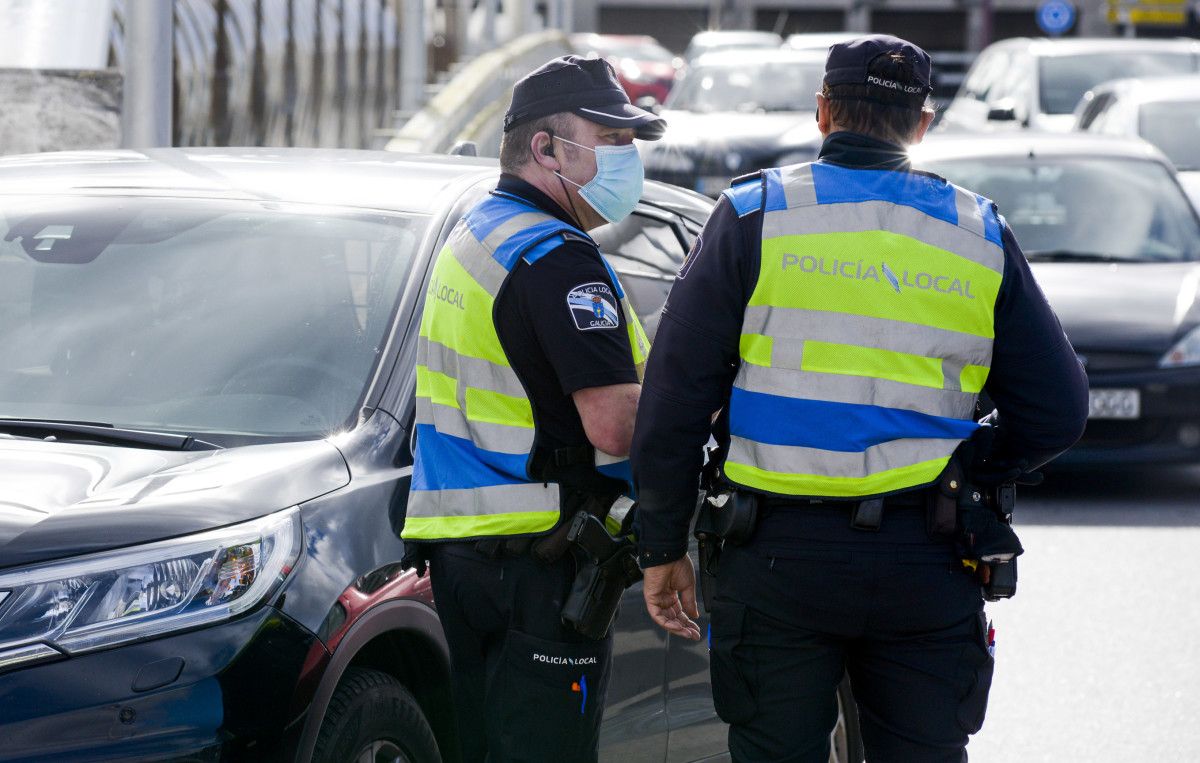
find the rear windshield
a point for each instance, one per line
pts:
(197, 316)
(749, 87)
(1175, 128)
(1062, 80)
(1065, 207)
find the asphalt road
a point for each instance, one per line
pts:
(1098, 656)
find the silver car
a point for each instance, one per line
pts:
(1162, 110)
(1035, 83)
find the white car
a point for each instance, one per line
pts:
(1036, 83)
(1162, 110)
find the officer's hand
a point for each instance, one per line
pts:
(663, 587)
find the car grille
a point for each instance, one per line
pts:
(1117, 434)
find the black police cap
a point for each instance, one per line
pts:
(895, 69)
(584, 86)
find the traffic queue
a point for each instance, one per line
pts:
(688, 431)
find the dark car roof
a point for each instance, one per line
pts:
(402, 182)
(1027, 144)
(300, 175)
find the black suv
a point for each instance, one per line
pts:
(206, 394)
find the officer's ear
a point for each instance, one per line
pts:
(542, 147)
(923, 127)
(824, 123)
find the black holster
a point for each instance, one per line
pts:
(606, 567)
(985, 534)
(726, 516)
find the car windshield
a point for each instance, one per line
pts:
(1063, 80)
(236, 318)
(1173, 126)
(749, 87)
(1085, 208)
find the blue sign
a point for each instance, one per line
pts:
(1055, 17)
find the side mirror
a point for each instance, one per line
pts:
(464, 148)
(648, 103)
(1003, 110)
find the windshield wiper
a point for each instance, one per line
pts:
(105, 433)
(1067, 255)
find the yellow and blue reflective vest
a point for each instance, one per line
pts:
(869, 334)
(475, 425)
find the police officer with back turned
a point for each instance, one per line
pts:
(528, 371)
(844, 316)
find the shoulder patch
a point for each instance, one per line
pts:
(593, 306)
(746, 197)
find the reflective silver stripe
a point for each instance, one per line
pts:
(858, 390)
(791, 326)
(799, 189)
(476, 260)
(970, 216)
(862, 216)
(787, 354)
(469, 371)
(494, 437)
(952, 369)
(604, 459)
(484, 501)
(792, 459)
(620, 509)
(509, 228)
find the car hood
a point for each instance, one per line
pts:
(1123, 308)
(62, 499)
(733, 130)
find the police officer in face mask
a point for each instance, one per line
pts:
(528, 377)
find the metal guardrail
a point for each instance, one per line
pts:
(471, 105)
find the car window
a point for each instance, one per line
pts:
(1058, 206)
(1062, 80)
(749, 87)
(987, 71)
(646, 253)
(1174, 127)
(1093, 109)
(228, 318)
(1114, 120)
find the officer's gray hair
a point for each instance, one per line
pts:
(852, 108)
(515, 152)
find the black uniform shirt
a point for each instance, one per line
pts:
(542, 337)
(1035, 381)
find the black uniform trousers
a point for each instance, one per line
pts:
(808, 598)
(526, 687)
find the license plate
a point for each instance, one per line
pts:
(1114, 404)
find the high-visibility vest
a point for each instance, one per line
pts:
(475, 424)
(869, 334)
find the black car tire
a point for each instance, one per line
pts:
(372, 717)
(846, 743)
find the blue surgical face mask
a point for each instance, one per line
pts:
(617, 186)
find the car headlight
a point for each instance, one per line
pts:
(113, 597)
(1186, 351)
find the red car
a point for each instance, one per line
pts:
(644, 67)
